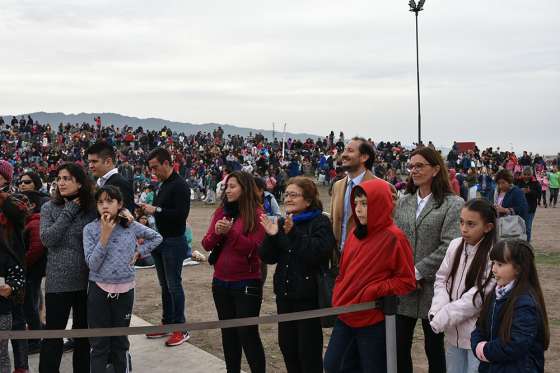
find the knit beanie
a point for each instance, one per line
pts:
(6, 170)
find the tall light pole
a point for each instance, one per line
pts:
(416, 9)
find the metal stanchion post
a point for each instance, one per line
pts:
(389, 306)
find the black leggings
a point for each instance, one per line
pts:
(301, 341)
(58, 306)
(233, 303)
(433, 345)
(553, 195)
(542, 198)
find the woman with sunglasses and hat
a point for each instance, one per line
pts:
(30, 181)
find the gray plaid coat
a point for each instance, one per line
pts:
(429, 236)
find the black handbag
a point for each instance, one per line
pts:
(325, 285)
(326, 277)
(215, 253)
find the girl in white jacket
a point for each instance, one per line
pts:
(462, 282)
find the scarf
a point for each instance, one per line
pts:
(306, 216)
(231, 209)
(72, 197)
(501, 291)
(360, 231)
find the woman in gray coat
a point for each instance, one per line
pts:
(429, 215)
(62, 223)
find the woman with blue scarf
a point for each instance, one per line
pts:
(298, 244)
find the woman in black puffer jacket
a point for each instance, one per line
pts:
(299, 244)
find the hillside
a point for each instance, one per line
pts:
(155, 123)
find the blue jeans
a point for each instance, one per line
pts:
(460, 360)
(529, 224)
(168, 258)
(356, 349)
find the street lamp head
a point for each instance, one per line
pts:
(412, 5)
(416, 8)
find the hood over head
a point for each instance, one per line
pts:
(380, 204)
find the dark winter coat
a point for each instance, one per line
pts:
(298, 256)
(525, 351)
(515, 199)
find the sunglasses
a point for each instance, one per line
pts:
(26, 182)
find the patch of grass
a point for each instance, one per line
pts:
(552, 259)
(554, 322)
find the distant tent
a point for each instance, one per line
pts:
(465, 146)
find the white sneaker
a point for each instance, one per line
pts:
(190, 262)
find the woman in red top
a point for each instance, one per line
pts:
(376, 262)
(454, 182)
(233, 238)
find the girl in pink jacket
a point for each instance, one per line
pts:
(543, 180)
(462, 282)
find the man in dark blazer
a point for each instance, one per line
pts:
(101, 162)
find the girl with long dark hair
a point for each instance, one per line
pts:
(233, 237)
(61, 227)
(111, 249)
(512, 331)
(462, 283)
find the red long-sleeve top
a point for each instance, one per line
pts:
(239, 258)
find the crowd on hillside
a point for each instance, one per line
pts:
(397, 226)
(205, 158)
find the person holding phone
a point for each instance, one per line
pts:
(170, 209)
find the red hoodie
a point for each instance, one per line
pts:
(377, 265)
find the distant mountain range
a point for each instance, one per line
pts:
(155, 124)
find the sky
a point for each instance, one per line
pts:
(489, 69)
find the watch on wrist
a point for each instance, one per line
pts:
(158, 209)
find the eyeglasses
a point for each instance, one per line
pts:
(416, 166)
(26, 182)
(292, 195)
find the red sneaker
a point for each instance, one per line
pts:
(177, 338)
(20, 370)
(157, 335)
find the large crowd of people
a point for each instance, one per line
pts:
(403, 222)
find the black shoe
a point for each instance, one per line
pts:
(68, 345)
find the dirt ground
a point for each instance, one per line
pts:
(200, 306)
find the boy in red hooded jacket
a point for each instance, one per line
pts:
(376, 262)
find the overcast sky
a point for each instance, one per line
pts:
(489, 69)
